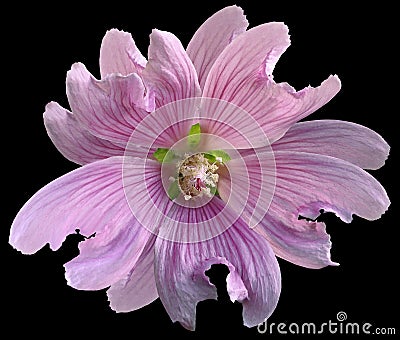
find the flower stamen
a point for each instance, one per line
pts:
(196, 176)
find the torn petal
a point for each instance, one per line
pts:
(138, 288)
(254, 277)
(119, 54)
(73, 140)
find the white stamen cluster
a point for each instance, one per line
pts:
(196, 176)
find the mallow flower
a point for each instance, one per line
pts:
(195, 157)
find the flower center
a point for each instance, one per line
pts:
(197, 176)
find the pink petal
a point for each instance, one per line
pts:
(169, 73)
(110, 108)
(108, 257)
(247, 184)
(233, 124)
(348, 141)
(119, 54)
(138, 288)
(213, 36)
(219, 119)
(242, 75)
(254, 278)
(250, 54)
(72, 140)
(166, 125)
(304, 243)
(150, 204)
(306, 183)
(90, 198)
(310, 182)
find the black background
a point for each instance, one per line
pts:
(39, 46)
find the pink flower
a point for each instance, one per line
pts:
(234, 171)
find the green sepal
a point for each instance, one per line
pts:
(214, 191)
(213, 154)
(173, 190)
(164, 155)
(194, 135)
